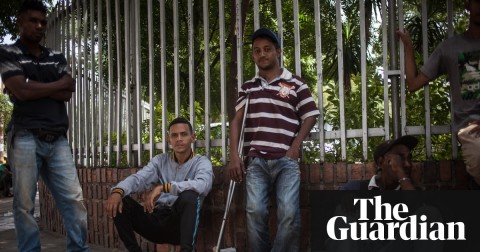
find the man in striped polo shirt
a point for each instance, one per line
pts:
(280, 114)
(38, 83)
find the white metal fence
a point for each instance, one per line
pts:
(113, 47)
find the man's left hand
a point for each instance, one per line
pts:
(293, 153)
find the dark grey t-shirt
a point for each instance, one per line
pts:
(459, 58)
(42, 113)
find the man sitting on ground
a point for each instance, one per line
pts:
(394, 164)
(179, 181)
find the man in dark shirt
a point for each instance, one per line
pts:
(38, 82)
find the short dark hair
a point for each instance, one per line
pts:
(181, 120)
(37, 5)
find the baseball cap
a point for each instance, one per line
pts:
(266, 33)
(409, 141)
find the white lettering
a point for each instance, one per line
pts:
(331, 228)
(399, 208)
(412, 224)
(379, 233)
(437, 234)
(378, 209)
(406, 228)
(451, 230)
(363, 207)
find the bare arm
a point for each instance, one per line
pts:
(20, 89)
(235, 165)
(307, 125)
(415, 80)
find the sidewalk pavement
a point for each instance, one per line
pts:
(51, 242)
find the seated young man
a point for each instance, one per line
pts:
(394, 165)
(175, 184)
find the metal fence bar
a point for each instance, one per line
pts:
(191, 65)
(450, 34)
(223, 85)
(71, 55)
(385, 71)
(318, 46)
(151, 79)
(341, 90)
(110, 118)
(392, 48)
(138, 83)
(176, 65)
(256, 15)
(428, 139)
(128, 78)
(278, 7)
(403, 107)
(101, 90)
(92, 101)
(163, 75)
(206, 42)
(85, 91)
(78, 88)
(363, 63)
(238, 31)
(296, 32)
(119, 83)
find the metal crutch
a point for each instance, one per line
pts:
(231, 187)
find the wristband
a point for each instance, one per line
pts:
(403, 179)
(166, 187)
(119, 191)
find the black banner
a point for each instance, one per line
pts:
(357, 221)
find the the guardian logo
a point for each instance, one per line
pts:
(391, 223)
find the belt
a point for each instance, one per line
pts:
(47, 135)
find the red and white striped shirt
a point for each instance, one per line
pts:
(274, 113)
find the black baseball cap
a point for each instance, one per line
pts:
(266, 33)
(409, 141)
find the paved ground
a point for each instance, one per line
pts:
(51, 242)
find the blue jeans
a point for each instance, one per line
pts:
(283, 176)
(31, 158)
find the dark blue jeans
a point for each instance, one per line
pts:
(53, 161)
(283, 177)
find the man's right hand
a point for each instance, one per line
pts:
(236, 169)
(114, 205)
